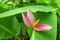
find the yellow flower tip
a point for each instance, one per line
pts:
(35, 23)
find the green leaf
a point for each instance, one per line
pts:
(5, 6)
(2, 9)
(58, 3)
(24, 9)
(58, 20)
(43, 1)
(9, 27)
(58, 16)
(29, 30)
(50, 19)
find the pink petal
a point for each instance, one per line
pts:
(30, 16)
(26, 20)
(42, 27)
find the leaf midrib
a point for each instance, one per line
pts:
(6, 29)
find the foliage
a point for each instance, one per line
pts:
(12, 26)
